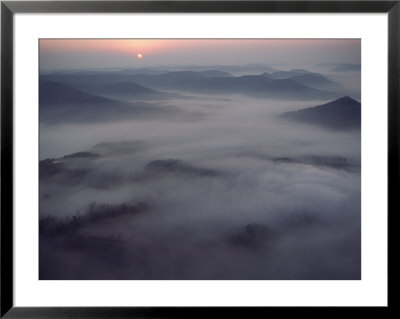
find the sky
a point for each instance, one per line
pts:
(121, 53)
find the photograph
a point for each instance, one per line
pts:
(199, 159)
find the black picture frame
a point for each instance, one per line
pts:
(9, 8)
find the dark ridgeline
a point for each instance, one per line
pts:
(290, 73)
(53, 93)
(340, 114)
(251, 85)
(314, 80)
(205, 82)
(129, 89)
(84, 97)
(347, 68)
(311, 79)
(63, 103)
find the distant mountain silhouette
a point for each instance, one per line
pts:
(208, 82)
(300, 71)
(267, 75)
(125, 87)
(60, 103)
(132, 90)
(288, 74)
(197, 73)
(55, 93)
(184, 75)
(315, 80)
(214, 73)
(343, 113)
(141, 71)
(95, 82)
(312, 79)
(347, 68)
(252, 85)
(227, 68)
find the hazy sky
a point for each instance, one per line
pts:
(110, 53)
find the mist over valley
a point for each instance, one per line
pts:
(248, 172)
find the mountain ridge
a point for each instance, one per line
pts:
(343, 113)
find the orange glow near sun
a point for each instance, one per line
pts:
(140, 56)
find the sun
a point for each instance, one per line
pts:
(140, 56)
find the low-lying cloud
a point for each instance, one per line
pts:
(237, 194)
